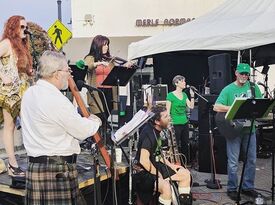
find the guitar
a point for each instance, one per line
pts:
(230, 128)
(174, 151)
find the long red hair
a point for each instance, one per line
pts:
(20, 46)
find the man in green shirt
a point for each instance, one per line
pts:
(241, 87)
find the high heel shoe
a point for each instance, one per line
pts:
(15, 171)
(3, 167)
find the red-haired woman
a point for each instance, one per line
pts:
(15, 66)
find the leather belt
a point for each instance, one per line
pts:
(54, 159)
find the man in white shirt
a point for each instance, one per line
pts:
(51, 129)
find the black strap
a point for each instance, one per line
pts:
(252, 88)
(54, 159)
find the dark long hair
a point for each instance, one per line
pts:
(96, 48)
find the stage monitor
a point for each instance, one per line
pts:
(158, 93)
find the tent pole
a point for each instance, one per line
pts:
(239, 58)
(251, 65)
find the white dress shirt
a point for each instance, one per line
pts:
(50, 123)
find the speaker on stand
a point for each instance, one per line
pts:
(219, 147)
(220, 73)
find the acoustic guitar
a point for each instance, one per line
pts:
(230, 128)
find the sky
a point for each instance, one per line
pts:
(41, 12)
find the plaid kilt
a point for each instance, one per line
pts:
(52, 184)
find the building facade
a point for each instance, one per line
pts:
(127, 21)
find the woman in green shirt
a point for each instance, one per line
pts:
(176, 103)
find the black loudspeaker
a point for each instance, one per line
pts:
(219, 149)
(159, 92)
(220, 73)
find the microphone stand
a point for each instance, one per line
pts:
(106, 121)
(104, 118)
(211, 183)
(273, 157)
(96, 176)
(112, 147)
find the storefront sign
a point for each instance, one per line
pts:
(165, 22)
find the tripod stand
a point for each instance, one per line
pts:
(96, 176)
(211, 183)
(244, 164)
(273, 157)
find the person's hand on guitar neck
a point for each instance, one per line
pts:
(149, 101)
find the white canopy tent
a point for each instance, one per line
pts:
(235, 25)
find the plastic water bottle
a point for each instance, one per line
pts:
(259, 199)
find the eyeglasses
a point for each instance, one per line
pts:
(69, 70)
(247, 74)
(24, 27)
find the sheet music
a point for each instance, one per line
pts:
(137, 121)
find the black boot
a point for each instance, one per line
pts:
(186, 199)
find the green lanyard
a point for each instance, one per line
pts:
(158, 148)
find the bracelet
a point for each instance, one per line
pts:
(192, 97)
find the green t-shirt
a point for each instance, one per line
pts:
(178, 108)
(232, 91)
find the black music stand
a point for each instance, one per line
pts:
(248, 109)
(119, 76)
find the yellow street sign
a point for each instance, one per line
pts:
(59, 34)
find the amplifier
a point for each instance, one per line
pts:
(158, 93)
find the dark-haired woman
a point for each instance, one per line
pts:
(99, 66)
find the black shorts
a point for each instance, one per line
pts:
(144, 182)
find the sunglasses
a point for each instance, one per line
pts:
(247, 74)
(24, 27)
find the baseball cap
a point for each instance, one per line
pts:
(243, 68)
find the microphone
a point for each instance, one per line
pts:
(80, 84)
(27, 32)
(260, 83)
(192, 87)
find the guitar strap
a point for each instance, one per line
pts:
(252, 89)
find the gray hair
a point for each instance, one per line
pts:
(49, 62)
(177, 78)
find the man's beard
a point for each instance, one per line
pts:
(242, 81)
(164, 126)
(65, 85)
